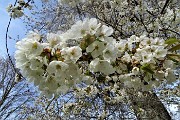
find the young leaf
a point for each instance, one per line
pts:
(147, 68)
(171, 41)
(174, 48)
(174, 57)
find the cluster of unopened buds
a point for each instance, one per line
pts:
(57, 66)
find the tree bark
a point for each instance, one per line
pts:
(148, 106)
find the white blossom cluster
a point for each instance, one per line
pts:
(139, 62)
(18, 10)
(95, 41)
(51, 66)
(143, 62)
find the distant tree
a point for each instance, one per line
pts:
(14, 91)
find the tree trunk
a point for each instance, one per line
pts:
(148, 106)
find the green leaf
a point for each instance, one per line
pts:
(174, 48)
(147, 68)
(174, 57)
(87, 72)
(171, 41)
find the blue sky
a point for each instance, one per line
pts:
(17, 28)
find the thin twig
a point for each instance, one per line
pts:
(7, 50)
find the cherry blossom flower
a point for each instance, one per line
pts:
(95, 48)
